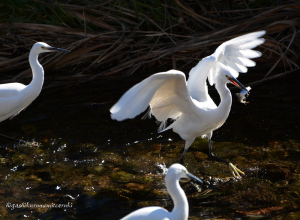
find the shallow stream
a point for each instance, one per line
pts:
(76, 163)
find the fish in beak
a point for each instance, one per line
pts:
(243, 94)
(244, 90)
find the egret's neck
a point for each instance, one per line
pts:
(226, 101)
(37, 74)
(181, 205)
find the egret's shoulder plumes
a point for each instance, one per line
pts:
(188, 103)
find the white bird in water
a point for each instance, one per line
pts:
(181, 205)
(14, 97)
(188, 103)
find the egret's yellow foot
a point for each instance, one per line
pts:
(235, 171)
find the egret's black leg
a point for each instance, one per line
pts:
(181, 158)
(188, 143)
(212, 156)
(235, 171)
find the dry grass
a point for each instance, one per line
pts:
(113, 39)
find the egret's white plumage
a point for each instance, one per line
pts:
(188, 102)
(181, 205)
(14, 97)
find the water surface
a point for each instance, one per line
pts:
(75, 155)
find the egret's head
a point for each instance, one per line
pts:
(224, 74)
(178, 171)
(42, 47)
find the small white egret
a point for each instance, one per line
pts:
(188, 102)
(14, 97)
(181, 205)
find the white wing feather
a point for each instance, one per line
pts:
(170, 96)
(165, 92)
(235, 54)
(196, 83)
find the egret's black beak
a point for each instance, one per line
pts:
(194, 178)
(58, 49)
(235, 82)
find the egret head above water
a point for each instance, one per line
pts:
(41, 47)
(14, 97)
(181, 205)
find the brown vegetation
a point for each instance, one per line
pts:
(115, 38)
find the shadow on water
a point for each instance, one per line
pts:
(79, 164)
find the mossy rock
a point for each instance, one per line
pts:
(156, 193)
(135, 186)
(20, 158)
(200, 156)
(292, 216)
(222, 149)
(200, 144)
(130, 167)
(99, 168)
(214, 168)
(121, 176)
(148, 203)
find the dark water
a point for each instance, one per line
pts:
(79, 164)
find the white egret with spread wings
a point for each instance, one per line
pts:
(188, 103)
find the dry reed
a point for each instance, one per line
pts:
(115, 40)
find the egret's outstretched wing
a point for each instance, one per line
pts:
(196, 83)
(236, 54)
(165, 92)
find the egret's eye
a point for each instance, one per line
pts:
(44, 48)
